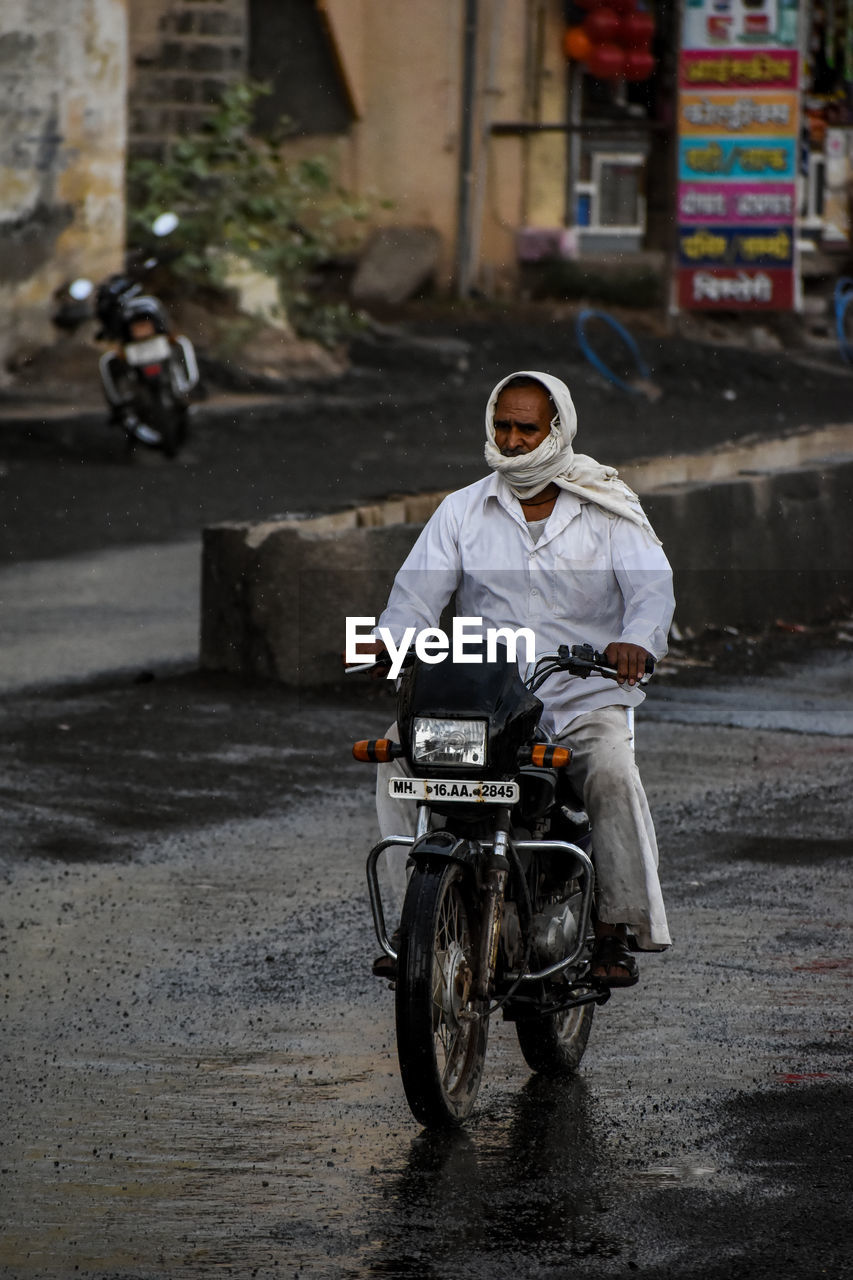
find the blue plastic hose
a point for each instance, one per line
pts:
(843, 297)
(596, 361)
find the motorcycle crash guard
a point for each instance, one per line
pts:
(431, 847)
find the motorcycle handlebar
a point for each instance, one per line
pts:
(381, 660)
(583, 654)
(581, 660)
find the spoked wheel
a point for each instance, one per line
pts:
(555, 1044)
(441, 1042)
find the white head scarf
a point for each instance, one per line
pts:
(554, 461)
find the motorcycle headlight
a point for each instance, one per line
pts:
(449, 742)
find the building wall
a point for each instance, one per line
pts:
(62, 136)
(405, 147)
(403, 65)
(400, 74)
(183, 53)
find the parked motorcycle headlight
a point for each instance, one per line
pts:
(449, 742)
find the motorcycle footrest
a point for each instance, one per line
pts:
(527, 1008)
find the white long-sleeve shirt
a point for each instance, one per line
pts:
(592, 576)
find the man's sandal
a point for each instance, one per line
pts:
(384, 966)
(611, 953)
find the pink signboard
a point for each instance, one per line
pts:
(739, 69)
(745, 202)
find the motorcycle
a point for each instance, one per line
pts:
(498, 910)
(150, 371)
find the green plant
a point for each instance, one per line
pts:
(239, 197)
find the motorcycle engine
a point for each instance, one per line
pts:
(555, 933)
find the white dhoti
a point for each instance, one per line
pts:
(625, 851)
(624, 846)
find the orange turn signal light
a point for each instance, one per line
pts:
(376, 750)
(547, 757)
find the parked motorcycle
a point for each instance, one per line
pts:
(498, 911)
(150, 370)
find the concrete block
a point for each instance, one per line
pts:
(756, 548)
(397, 262)
(276, 605)
(746, 550)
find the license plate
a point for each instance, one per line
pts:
(442, 790)
(151, 351)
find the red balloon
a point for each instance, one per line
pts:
(623, 6)
(636, 30)
(606, 61)
(639, 64)
(602, 26)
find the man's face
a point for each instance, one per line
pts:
(522, 419)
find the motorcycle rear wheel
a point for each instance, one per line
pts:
(441, 1040)
(555, 1044)
(159, 410)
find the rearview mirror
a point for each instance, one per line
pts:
(165, 224)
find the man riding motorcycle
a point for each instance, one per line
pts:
(556, 542)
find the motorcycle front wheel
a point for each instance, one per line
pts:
(441, 1039)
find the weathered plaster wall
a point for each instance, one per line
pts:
(62, 132)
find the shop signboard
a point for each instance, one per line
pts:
(730, 246)
(738, 125)
(708, 203)
(763, 159)
(735, 289)
(740, 115)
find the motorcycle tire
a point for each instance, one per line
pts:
(441, 1040)
(554, 1045)
(159, 410)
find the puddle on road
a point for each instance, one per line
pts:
(682, 1173)
(786, 850)
(309, 1160)
(538, 1183)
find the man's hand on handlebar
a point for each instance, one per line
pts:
(629, 661)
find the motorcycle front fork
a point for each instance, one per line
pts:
(494, 890)
(493, 879)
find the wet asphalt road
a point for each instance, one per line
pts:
(198, 1071)
(402, 423)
